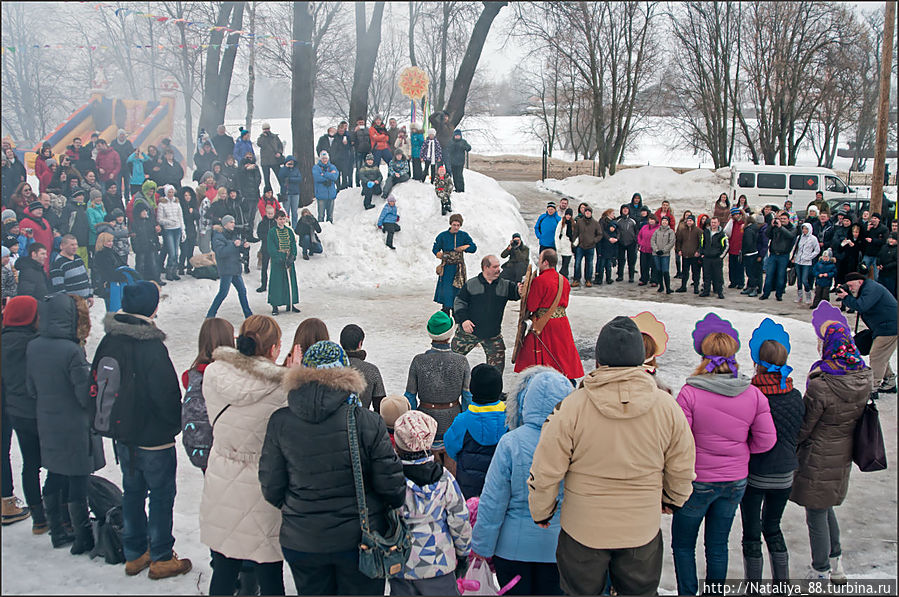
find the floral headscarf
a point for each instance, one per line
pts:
(839, 354)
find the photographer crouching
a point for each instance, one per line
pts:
(877, 308)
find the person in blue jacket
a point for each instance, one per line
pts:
(325, 177)
(416, 139)
(449, 247)
(389, 220)
(545, 227)
(471, 439)
(504, 529)
(290, 179)
(242, 146)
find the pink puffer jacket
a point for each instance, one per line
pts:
(644, 238)
(730, 419)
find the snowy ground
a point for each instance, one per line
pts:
(389, 294)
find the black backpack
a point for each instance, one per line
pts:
(114, 397)
(105, 500)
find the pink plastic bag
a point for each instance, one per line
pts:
(479, 580)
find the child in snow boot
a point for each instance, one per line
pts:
(371, 178)
(824, 271)
(472, 438)
(443, 186)
(435, 513)
(389, 220)
(392, 407)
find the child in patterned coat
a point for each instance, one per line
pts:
(443, 186)
(434, 511)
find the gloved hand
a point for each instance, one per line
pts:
(660, 253)
(370, 184)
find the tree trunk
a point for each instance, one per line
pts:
(444, 37)
(413, 18)
(220, 66)
(302, 97)
(251, 68)
(368, 40)
(883, 111)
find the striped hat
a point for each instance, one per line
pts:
(325, 354)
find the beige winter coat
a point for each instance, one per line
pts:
(622, 446)
(235, 519)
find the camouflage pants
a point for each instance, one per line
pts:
(494, 348)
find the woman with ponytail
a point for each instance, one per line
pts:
(242, 388)
(730, 419)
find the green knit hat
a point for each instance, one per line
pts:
(440, 327)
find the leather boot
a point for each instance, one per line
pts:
(780, 565)
(81, 522)
(53, 505)
(39, 524)
(667, 283)
(753, 568)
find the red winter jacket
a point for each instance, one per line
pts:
(262, 203)
(378, 140)
(108, 164)
(43, 173)
(43, 233)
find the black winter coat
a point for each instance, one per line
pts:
(788, 411)
(874, 240)
(58, 379)
(33, 279)
(248, 181)
(144, 229)
(886, 258)
(138, 345)
(782, 239)
(224, 145)
(75, 222)
(456, 151)
(103, 271)
(171, 174)
(484, 303)
(750, 240)
(16, 401)
(361, 140)
(305, 468)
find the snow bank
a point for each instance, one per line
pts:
(695, 190)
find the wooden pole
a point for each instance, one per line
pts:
(883, 111)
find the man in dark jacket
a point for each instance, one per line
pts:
(627, 243)
(886, 264)
(33, 280)
(752, 257)
(456, 151)
(147, 457)
(874, 235)
(635, 205)
(587, 234)
(223, 143)
(227, 244)
(306, 472)
(361, 145)
(74, 220)
(112, 198)
(877, 308)
(478, 310)
(271, 152)
(344, 160)
(781, 235)
(122, 146)
(713, 247)
(517, 265)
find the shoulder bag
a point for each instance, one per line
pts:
(380, 556)
(868, 450)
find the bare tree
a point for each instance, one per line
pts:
(220, 65)
(414, 13)
(251, 66)
(707, 61)
(302, 96)
(368, 40)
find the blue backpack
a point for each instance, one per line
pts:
(116, 288)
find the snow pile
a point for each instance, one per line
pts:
(695, 190)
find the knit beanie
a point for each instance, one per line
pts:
(140, 298)
(760, 218)
(486, 384)
(414, 431)
(227, 219)
(620, 344)
(31, 207)
(323, 154)
(20, 310)
(369, 156)
(96, 194)
(325, 354)
(10, 214)
(440, 327)
(735, 211)
(392, 407)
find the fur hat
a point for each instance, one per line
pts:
(325, 354)
(620, 344)
(140, 298)
(19, 310)
(486, 384)
(440, 327)
(414, 431)
(432, 131)
(392, 407)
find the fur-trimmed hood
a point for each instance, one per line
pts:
(240, 379)
(133, 326)
(534, 394)
(316, 394)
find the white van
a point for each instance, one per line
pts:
(775, 184)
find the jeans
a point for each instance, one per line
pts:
(292, 205)
(225, 283)
(580, 255)
(776, 274)
(804, 277)
(6, 473)
(627, 254)
(30, 447)
(269, 575)
(330, 573)
(824, 537)
(761, 511)
(716, 503)
(147, 472)
(870, 262)
(392, 180)
(309, 247)
(661, 263)
(537, 578)
(735, 269)
(172, 240)
(325, 210)
(605, 266)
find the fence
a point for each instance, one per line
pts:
(555, 168)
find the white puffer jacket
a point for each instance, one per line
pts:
(563, 243)
(807, 247)
(235, 519)
(169, 214)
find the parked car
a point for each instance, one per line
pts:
(764, 184)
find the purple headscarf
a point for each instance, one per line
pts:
(839, 354)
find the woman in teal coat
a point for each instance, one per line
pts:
(282, 282)
(450, 247)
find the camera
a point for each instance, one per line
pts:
(842, 288)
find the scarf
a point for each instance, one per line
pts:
(839, 354)
(567, 229)
(716, 361)
(772, 383)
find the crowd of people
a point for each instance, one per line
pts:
(557, 485)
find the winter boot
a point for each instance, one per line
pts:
(667, 279)
(53, 506)
(837, 574)
(799, 294)
(661, 286)
(746, 290)
(247, 583)
(168, 274)
(168, 568)
(780, 565)
(13, 512)
(81, 522)
(39, 524)
(753, 292)
(134, 567)
(753, 568)
(808, 296)
(175, 275)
